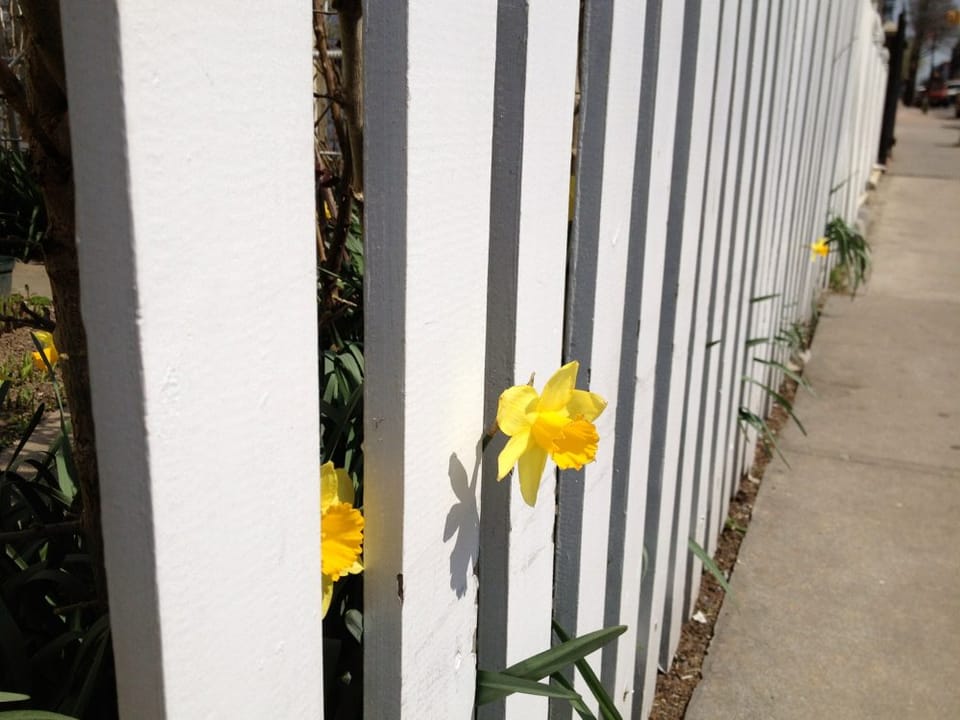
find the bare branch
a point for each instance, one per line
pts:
(12, 91)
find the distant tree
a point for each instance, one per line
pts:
(928, 18)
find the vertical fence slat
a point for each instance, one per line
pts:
(788, 249)
(544, 211)
(700, 152)
(729, 272)
(794, 306)
(743, 443)
(527, 275)
(658, 265)
(596, 306)
(768, 144)
(680, 277)
(214, 573)
(502, 278)
(720, 122)
(729, 381)
(721, 225)
(426, 303)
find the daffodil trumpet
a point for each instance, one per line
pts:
(557, 423)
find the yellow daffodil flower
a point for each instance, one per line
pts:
(49, 349)
(820, 247)
(558, 423)
(341, 530)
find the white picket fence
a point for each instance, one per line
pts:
(712, 139)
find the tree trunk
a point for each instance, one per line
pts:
(44, 122)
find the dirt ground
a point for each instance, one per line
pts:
(28, 387)
(675, 688)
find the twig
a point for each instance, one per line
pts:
(19, 322)
(333, 88)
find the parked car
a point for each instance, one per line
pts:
(953, 93)
(920, 96)
(937, 93)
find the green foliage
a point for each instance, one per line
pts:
(731, 524)
(524, 676)
(792, 374)
(340, 281)
(748, 418)
(25, 714)
(23, 218)
(709, 564)
(340, 319)
(793, 336)
(608, 711)
(779, 399)
(853, 253)
(54, 638)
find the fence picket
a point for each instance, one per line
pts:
(525, 320)
(425, 339)
(588, 549)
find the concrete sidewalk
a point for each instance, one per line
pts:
(847, 589)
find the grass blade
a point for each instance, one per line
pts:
(709, 564)
(780, 400)
(492, 686)
(564, 654)
(7, 697)
(31, 426)
(746, 417)
(607, 709)
(793, 375)
(578, 705)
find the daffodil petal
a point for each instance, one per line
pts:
(44, 338)
(326, 587)
(328, 486)
(586, 404)
(512, 409)
(515, 447)
(335, 486)
(344, 486)
(531, 464)
(577, 446)
(556, 393)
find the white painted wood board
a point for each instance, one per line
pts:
(541, 275)
(427, 662)
(693, 226)
(197, 265)
(655, 238)
(626, 53)
(727, 255)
